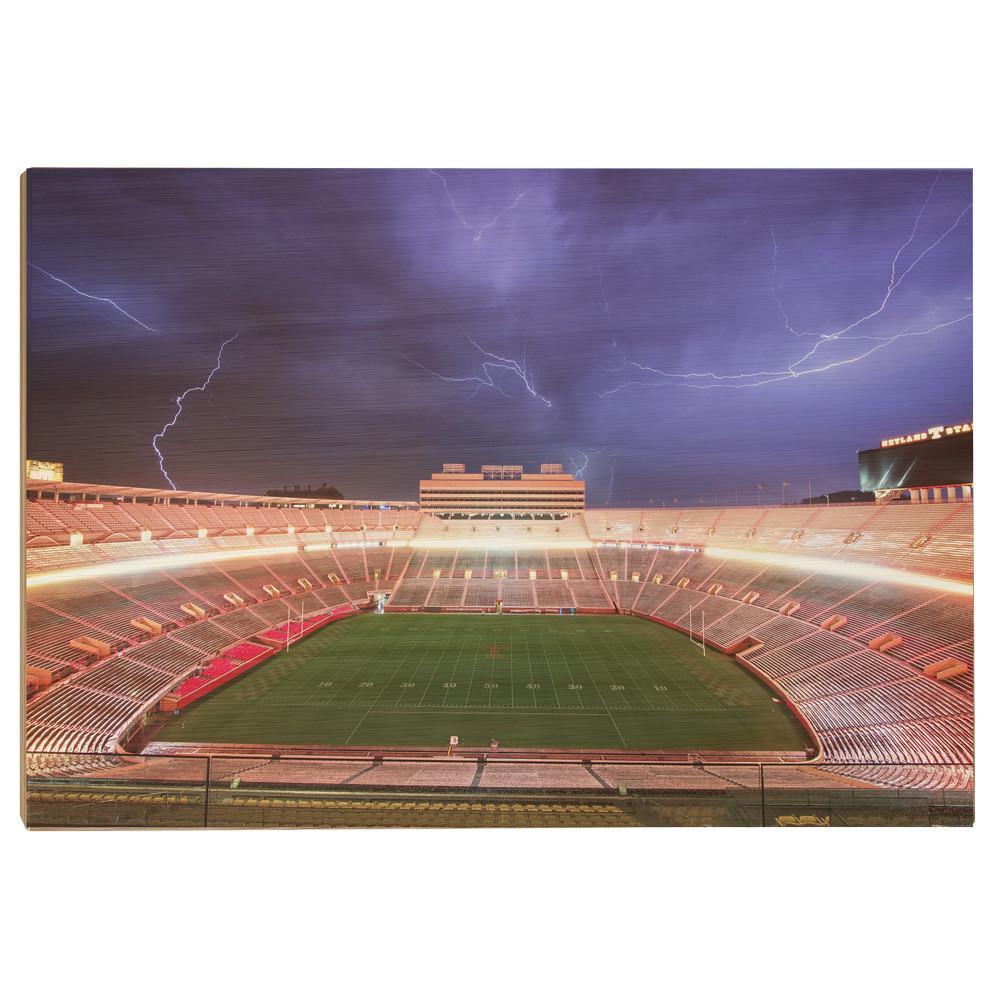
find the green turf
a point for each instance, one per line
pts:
(537, 681)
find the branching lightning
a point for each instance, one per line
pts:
(738, 381)
(486, 380)
(94, 298)
(800, 367)
(477, 234)
(179, 400)
(578, 469)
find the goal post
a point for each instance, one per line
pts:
(701, 640)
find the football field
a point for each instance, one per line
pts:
(597, 682)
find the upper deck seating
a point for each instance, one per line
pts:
(50, 522)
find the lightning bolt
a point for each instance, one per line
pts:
(577, 468)
(604, 299)
(913, 233)
(179, 400)
(486, 380)
(94, 298)
(766, 377)
(776, 285)
(894, 279)
(477, 234)
(795, 369)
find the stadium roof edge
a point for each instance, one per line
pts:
(98, 489)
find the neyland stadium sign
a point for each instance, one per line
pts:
(931, 434)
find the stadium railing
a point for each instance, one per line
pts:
(129, 791)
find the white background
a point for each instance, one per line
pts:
(503, 913)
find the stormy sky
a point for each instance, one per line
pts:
(680, 335)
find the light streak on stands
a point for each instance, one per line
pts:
(480, 545)
(124, 566)
(849, 570)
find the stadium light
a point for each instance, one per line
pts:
(123, 566)
(850, 570)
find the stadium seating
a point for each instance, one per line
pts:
(868, 708)
(88, 708)
(52, 521)
(864, 706)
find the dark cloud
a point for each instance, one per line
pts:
(335, 279)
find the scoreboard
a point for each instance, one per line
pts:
(939, 456)
(50, 472)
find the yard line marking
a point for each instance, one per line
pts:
(406, 657)
(606, 709)
(629, 649)
(358, 726)
(430, 678)
(489, 697)
(684, 680)
(569, 672)
(702, 688)
(454, 666)
(531, 672)
(363, 666)
(472, 676)
(425, 709)
(511, 644)
(614, 652)
(385, 687)
(627, 654)
(552, 676)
